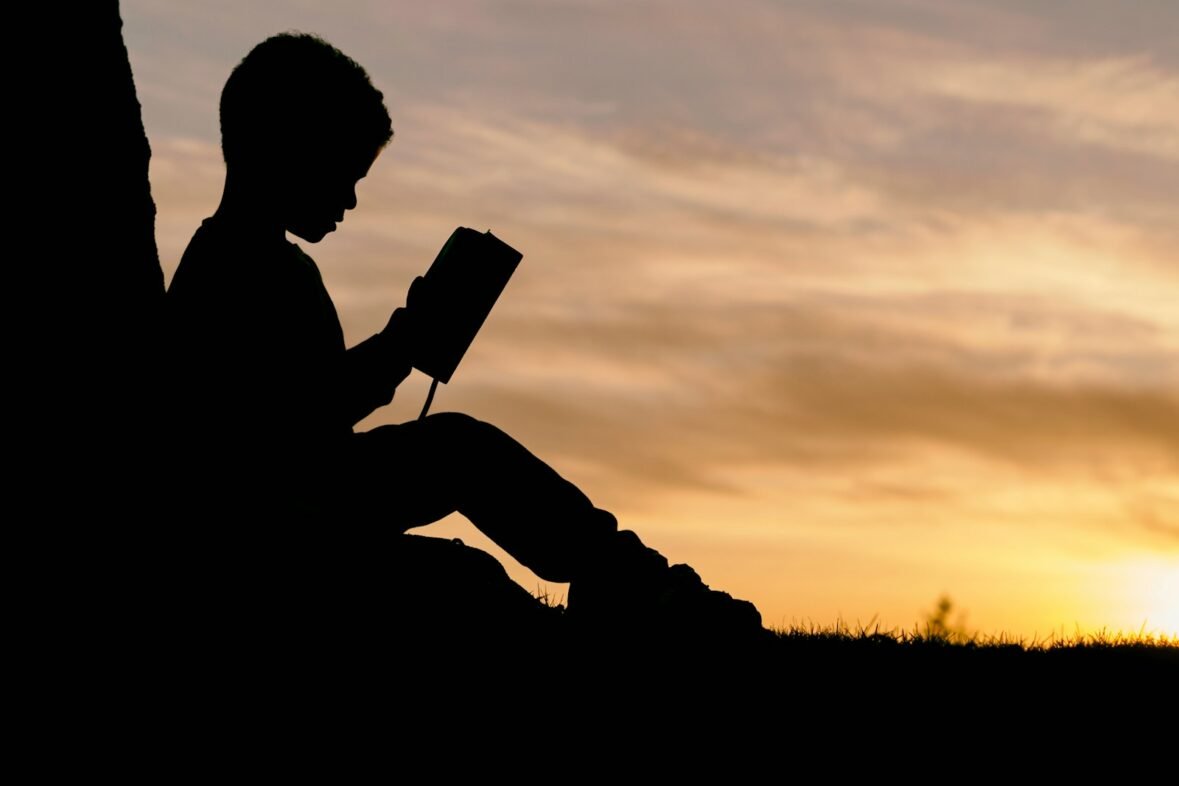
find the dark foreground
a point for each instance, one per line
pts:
(382, 660)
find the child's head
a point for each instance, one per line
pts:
(301, 123)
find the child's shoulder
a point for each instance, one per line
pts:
(221, 254)
(220, 241)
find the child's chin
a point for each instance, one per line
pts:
(311, 234)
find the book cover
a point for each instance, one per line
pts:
(465, 280)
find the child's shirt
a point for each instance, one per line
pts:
(257, 353)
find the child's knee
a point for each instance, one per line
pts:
(463, 431)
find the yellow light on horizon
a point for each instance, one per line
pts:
(1154, 592)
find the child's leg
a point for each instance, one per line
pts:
(421, 471)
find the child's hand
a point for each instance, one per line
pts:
(404, 324)
(403, 332)
(399, 333)
(419, 298)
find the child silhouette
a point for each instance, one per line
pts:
(268, 394)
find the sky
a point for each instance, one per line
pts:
(848, 304)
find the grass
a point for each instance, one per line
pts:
(930, 660)
(933, 659)
(938, 633)
(937, 636)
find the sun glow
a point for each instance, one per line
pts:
(1152, 591)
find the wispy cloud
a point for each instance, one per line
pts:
(1124, 103)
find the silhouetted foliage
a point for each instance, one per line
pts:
(938, 624)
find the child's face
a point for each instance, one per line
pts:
(316, 193)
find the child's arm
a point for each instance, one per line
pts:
(375, 367)
(372, 371)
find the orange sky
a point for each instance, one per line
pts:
(849, 304)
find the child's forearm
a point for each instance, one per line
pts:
(373, 370)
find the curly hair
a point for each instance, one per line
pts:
(295, 89)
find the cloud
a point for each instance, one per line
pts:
(1157, 511)
(1124, 103)
(809, 385)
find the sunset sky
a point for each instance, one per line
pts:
(848, 304)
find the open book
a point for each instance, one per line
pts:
(465, 280)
